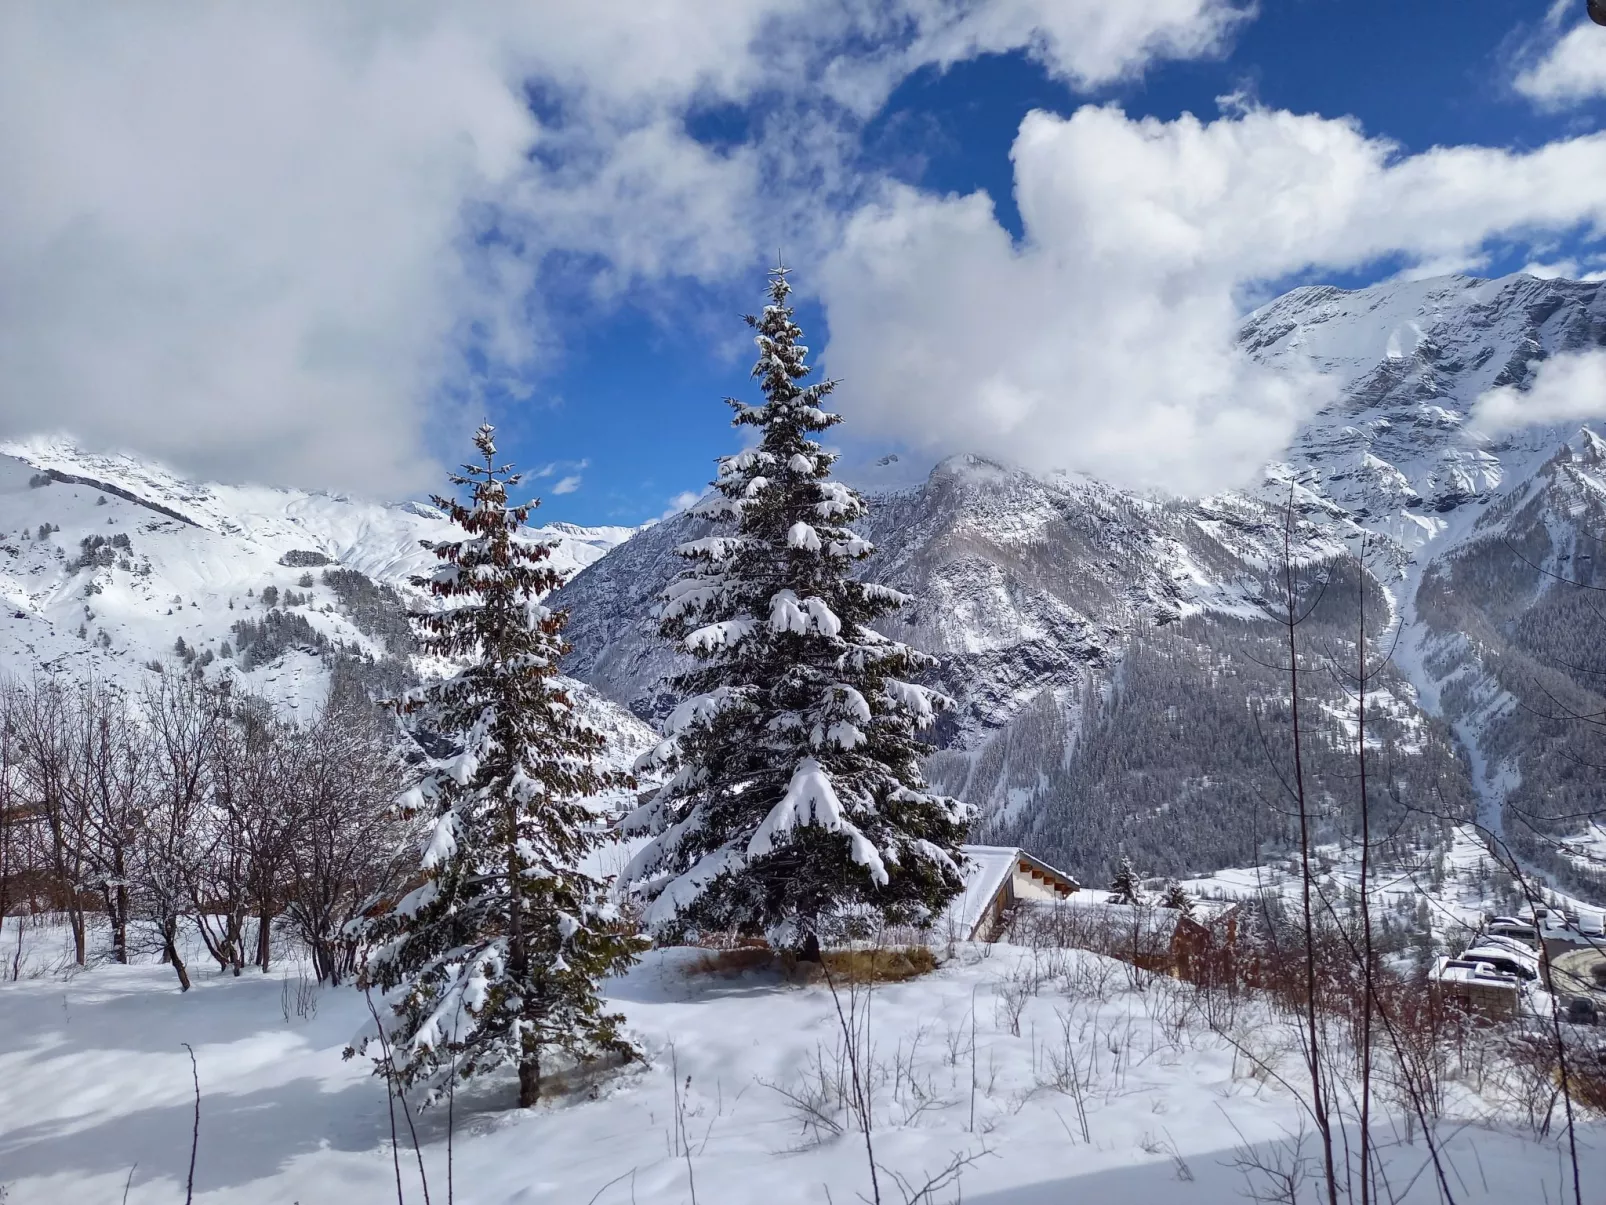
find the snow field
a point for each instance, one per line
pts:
(188, 577)
(1068, 1076)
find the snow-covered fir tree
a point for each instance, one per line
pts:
(494, 957)
(1124, 887)
(794, 805)
(1175, 897)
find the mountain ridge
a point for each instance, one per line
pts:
(110, 563)
(1107, 648)
(1051, 600)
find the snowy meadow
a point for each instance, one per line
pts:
(1009, 1074)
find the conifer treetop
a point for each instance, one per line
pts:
(1125, 886)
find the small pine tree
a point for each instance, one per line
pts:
(496, 956)
(1177, 898)
(795, 799)
(1124, 888)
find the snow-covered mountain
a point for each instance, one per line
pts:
(1480, 539)
(108, 562)
(1106, 647)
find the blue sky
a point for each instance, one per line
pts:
(637, 394)
(313, 245)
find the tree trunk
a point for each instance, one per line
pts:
(75, 917)
(529, 1082)
(1318, 1101)
(120, 922)
(264, 933)
(236, 940)
(170, 952)
(811, 948)
(217, 946)
(116, 909)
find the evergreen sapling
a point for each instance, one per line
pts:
(495, 955)
(1124, 887)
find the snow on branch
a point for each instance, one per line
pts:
(919, 701)
(711, 548)
(725, 634)
(788, 613)
(810, 799)
(801, 535)
(879, 593)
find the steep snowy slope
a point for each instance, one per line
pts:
(1104, 650)
(1108, 649)
(1481, 538)
(108, 562)
(1410, 359)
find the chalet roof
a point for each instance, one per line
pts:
(988, 870)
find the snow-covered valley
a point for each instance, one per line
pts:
(1067, 1075)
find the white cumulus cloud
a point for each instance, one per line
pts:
(255, 240)
(1565, 388)
(1104, 340)
(1085, 42)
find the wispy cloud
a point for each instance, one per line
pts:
(567, 485)
(551, 468)
(1566, 70)
(1565, 388)
(680, 502)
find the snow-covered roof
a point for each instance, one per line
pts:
(1496, 954)
(1472, 971)
(988, 870)
(1509, 947)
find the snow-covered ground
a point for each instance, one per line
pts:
(1068, 1076)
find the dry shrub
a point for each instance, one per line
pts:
(1588, 1085)
(897, 965)
(741, 957)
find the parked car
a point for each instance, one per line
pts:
(1515, 930)
(1504, 960)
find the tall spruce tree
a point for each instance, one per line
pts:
(794, 805)
(1124, 887)
(495, 956)
(1175, 897)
